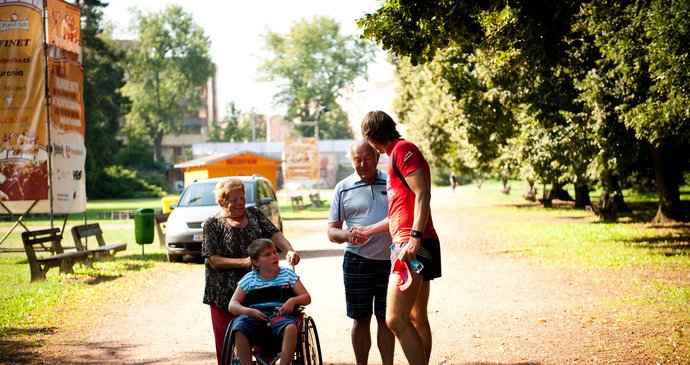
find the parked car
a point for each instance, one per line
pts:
(197, 202)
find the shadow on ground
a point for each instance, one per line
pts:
(20, 346)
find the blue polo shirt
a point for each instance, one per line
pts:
(360, 204)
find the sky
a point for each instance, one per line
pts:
(236, 30)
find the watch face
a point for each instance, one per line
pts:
(416, 234)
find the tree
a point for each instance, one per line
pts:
(103, 102)
(167, 67)
(312, 63)
(639, 49)
(231, 128)
(646, 55)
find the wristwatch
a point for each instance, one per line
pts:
(416, 234)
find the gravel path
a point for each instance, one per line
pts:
(488, 308)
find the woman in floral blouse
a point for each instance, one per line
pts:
(224, 249)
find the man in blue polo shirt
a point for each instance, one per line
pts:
(360, 200)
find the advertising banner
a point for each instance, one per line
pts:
(23, 156)
(26, 137)
(65, 82)
(302, 159)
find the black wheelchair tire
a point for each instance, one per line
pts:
(228, 347)
(311, 346)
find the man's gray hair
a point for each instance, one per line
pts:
(360, 142)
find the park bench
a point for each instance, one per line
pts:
(606, 210)
(49, 240)
(297, 203)
(103, 250)
(316, 201)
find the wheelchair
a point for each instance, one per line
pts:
(307, 351)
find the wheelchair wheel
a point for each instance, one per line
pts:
(311, 347)
(228, 355)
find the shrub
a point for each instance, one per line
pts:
(119, 182)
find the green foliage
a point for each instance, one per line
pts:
(312, 63)
(120, 183)
(562, 82)
(236, 126)
(104, 104)
(167, 66)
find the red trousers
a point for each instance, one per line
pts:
(220, 319)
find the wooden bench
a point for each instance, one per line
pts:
(316, 200)
(40, 266)
(103, 250)
(297, 203)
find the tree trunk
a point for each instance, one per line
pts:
(611, 185)
(158, 147)
(668, 179)
(582, 198)
(557, 192)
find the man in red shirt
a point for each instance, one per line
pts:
(414, 237)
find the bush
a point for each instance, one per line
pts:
(118, 182)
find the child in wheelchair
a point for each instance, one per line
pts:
(265, 300)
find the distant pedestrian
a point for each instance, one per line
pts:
(453, 181)
(360, 200)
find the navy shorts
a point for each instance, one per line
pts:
(366, 283)
(262, 332)
(430, 256)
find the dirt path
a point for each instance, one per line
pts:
(487, 308)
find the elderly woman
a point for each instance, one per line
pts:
(226, 238)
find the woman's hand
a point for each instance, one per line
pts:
(292, 258)
(409, 251)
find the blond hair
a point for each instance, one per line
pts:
(227, 185)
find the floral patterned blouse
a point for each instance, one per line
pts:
(222, 239)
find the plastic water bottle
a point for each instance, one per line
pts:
(416, 265)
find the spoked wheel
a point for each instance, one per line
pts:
(311, 347)
(228, 354)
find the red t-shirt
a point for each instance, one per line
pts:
(401, 200)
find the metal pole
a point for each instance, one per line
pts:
(49, 147)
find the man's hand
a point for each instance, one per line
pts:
(357, 235)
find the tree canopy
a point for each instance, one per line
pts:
(311, 64)
(558, 91)
(167, 67)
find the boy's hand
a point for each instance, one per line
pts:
(257, 313)
(287, 308)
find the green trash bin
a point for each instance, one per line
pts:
(143, 225)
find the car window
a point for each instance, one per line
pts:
(201, 194)
(269, 190)
(262, 190)
(196, 195)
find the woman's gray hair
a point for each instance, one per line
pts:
(225, 186)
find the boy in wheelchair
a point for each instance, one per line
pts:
(265, 300)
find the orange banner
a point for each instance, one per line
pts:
(23, 157)
(67, 127)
